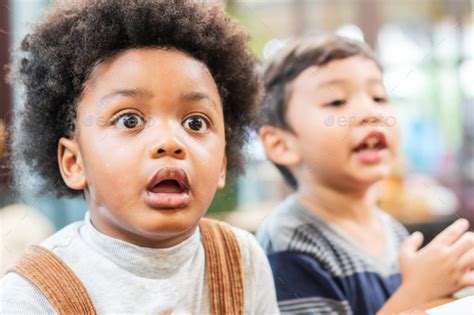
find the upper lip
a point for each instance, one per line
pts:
(170, 173)
(377, 135)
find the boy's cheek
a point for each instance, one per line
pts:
(395, 134)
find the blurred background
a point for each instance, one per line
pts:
(427, 50)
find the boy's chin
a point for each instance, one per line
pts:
(167, 228)
(372, 176)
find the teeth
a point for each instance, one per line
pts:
(372, 143)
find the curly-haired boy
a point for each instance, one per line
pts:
(141, 106)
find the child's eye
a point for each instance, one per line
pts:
(380, 100)
(337, 103)
(129, 121)
(196, 123)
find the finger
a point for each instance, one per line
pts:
(463, 244)
(466, 262)
(411, 244)
(467, 280)
(452, 233)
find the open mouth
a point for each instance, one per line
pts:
(168, 189)
(373, 141)
(168, 186)
(372, 148)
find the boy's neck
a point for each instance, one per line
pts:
(334, 205)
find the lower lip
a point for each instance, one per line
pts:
(167, 200)
(370, 156)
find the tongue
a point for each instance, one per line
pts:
(369, 155)
(167, 187)
(366, 147)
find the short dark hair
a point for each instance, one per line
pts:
(288, 63)
(57, 57)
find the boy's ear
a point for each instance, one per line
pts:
(280, 146)
(222, 175)
(70, 164)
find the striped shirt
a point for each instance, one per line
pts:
(318, 269)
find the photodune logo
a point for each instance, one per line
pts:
(89, 121)
(329, 121)
(344, 121)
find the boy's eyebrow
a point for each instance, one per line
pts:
(375, 80)
(341, 81)
(331, 82)
(195, 96)
(136, 92)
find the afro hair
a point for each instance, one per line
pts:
(55, 60)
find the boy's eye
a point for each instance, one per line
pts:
(337, 103)
(129, 121)
(380, 99)
(196, 123)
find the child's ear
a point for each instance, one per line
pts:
(70, 164)
(221, 182)
(279, 145)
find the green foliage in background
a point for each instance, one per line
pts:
(259, 34)
(225, 200)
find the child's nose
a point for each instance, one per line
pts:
(171, 147)
(370, 112)
(370, 119)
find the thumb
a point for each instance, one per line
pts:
(411, 244)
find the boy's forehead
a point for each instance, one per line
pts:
(150, 70)
(155, 61)
(340, 71)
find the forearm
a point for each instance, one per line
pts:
(403, 299)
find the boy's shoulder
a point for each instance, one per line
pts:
(63, 238)
(67, 244)
(254, 260)
(258, 280)
(276, 231)
(15, 288)
(250, 249)
(18, 295)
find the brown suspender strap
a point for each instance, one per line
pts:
(63, 289)
(55, 280)
(224, 267)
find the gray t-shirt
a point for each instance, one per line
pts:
(122, 278)
(320, 270)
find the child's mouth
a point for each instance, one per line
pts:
(168, 189)
(372, 148)
(167, 186)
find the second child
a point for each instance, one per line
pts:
(329, 127)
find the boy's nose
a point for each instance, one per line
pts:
(370, 112)
(171, 147)
(370, 119)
